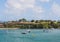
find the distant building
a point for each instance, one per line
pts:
(1, 25)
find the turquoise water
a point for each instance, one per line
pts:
(35, 35)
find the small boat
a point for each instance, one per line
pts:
(45, 30)
(28, 31)
(52, 28)
(23, 33)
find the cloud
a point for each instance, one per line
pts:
(38, 10)
(45, 0)
(56, 8)
(19, 6)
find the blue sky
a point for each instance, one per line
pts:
(29, 9)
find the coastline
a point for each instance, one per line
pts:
(12, 28)
(8, 28)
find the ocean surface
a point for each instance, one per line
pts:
(36, 35)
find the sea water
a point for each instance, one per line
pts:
(36, 35)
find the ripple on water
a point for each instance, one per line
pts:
(34, 36)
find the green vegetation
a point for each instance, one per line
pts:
(33, 24)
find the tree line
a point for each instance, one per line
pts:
(42, 24)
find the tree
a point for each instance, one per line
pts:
(22, 20)
(37, 21)
(32, 20)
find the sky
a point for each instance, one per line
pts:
(29, 9)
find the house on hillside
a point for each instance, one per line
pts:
(1, 25)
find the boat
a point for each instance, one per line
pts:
(52, 28)
(23, 33)
(29, 31)
(46, 30)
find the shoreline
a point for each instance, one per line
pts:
(12, 28)
(8, 28)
